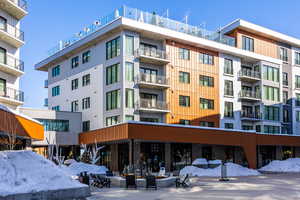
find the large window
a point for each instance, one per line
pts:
(112, 74)
(113, 100)
(129, 71)
(206, 103)
(74, 84)
(129, 98)
(297, 84)
(86, 80)
(283, 54)
(228, 109)
(86, 57)
(74, 106)
(75, 62)
(184, 122)
(248, 43)
(228, 88)
(297, 102)
(285, 97)
(285, 80)
(271, 73)
(206, 81)
(184, 101)
(86, 103)
(112, 120)
(55, 125)
(184, 77)
(129, 45)
(271, 93)
(297, 58)
(55, 71)
(272, 129)
(228, 66)
(55, 91)
(184, 53)
(113, 48)
(271, 113)
(86, 126)
(286, 115)
(206, 59)
(56, 108)
(207, 124)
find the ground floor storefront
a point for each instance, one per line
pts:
(175, 146)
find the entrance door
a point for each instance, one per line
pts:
(123, 156)
(2, 56)
(2, 87)
(154, 155)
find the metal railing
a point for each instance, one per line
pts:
(246, 114)
(12, 93)
(152, 53)
(250, 94)
(152, 104)
(228, 92)
(21, 3)
(150, 78)
(249, 73)
(148, 18)
(13, 62)
(13, 31)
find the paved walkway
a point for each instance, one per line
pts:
(266, 187)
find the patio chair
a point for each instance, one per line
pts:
(182, 182)
(131, 181)
(151, 182)
(100, 182)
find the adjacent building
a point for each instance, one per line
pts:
(241, 81)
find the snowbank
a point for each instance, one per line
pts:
(77, 167)
(289, 165)
(26, 171)
(200, 161)
(232, 170)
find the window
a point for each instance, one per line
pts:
(129, 117)
(272, 129)
(55, 71)
(206, 59)
(129, 71)
(3, 56)
(228, 66)
(258, 128)
(297, 58)
(271, 93)
(285, 97)
(112, 120)
(3, 24)
(184, 53)
(298, 116)
(86, 103)
(74, 84)
(55, 91)
(247, 127)
(206, 103)
(55, 125)
(113, 48)
(113, 100)
(56, 108)
(206, 81)
(297, 82)
(271, 113)
(85, 126)
(285, 81)
(228, 125)
(86, 57)
(129, 45)
(228, 90)
(207, 124)
(75, 62)
(297, 101)
(184, 122)
(129, 98)
(74, 106)
(248, 43)
(112, 74)
(184, 77)
(283, 54)
(86, 80)
(271, 73)
(228, 109)
(148, 119)
(286, 115)
(184, 101)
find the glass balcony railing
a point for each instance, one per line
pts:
(152, 104)
(160, 54)
(249, 73)
(21, 3)
(12, 62)
(249, 94)
(152, 79)
(13, 31)
(13, 94)
(246, 114)
(148, 18)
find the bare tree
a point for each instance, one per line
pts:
(10, 131)
(58, 157)
(94, 153)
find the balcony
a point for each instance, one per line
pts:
(246, 116)
(12, 35)
(149, 105)
(152, 56)
(152, 81)
(12, 65)
(249, 75)
(12, 96)
(250, 95)
(46, 83)
(16, 8)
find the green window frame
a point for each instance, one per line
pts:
(56, 71)
(86, 80)
(56, 91)
(297, 101)
(271, 73)
(129, 117)
(228, 88)
(129, 95)
(184, 53)
(113, 74)
(206, 81)
(56, 108)
(184, 101)
(184, 77)
(86, 103)
(129, 45)
(185, 122)
(74, 106)
(113, 100)
(228, 66)
(283, 54)
(205, 58)
(113, 120)
(75, 62)
(74, 84)
(228, 109)
(271, 93)
(86, 57)
(271, 113)
(207, 124)
(297, 58)
(129, 71)
(298, 116)
(297, 83)
(86, 125)
(247, 43)
(206, 104)
(113, 48)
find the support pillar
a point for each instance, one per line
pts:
(131, 152)
(251, 154)
(114, 158)
(168, 156)
(137, 152)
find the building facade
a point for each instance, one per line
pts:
(135, 65)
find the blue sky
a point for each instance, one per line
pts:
(52, 20)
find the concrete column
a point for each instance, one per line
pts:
(279, 153)
(259, 157)
(168, 156)
(131, 150)
(137, 152)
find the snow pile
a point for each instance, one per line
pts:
(77, 167)
(289, 165)
(200, 161)
(26, 171)
(232, 170)
(215, 162)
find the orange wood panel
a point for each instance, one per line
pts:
(194, 90)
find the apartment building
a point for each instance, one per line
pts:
(11, 70)
(241, 81)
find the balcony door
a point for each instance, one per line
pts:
(149, 75)
(3, 24)
(247, 111)
(2, 55)
(150, 99)
(149, 49)
(2, 87)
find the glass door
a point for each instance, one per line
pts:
(151, 99)
(2, 87)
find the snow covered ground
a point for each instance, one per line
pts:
(289, 165)
(77, 167)
(26, 171)
(232, 170)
